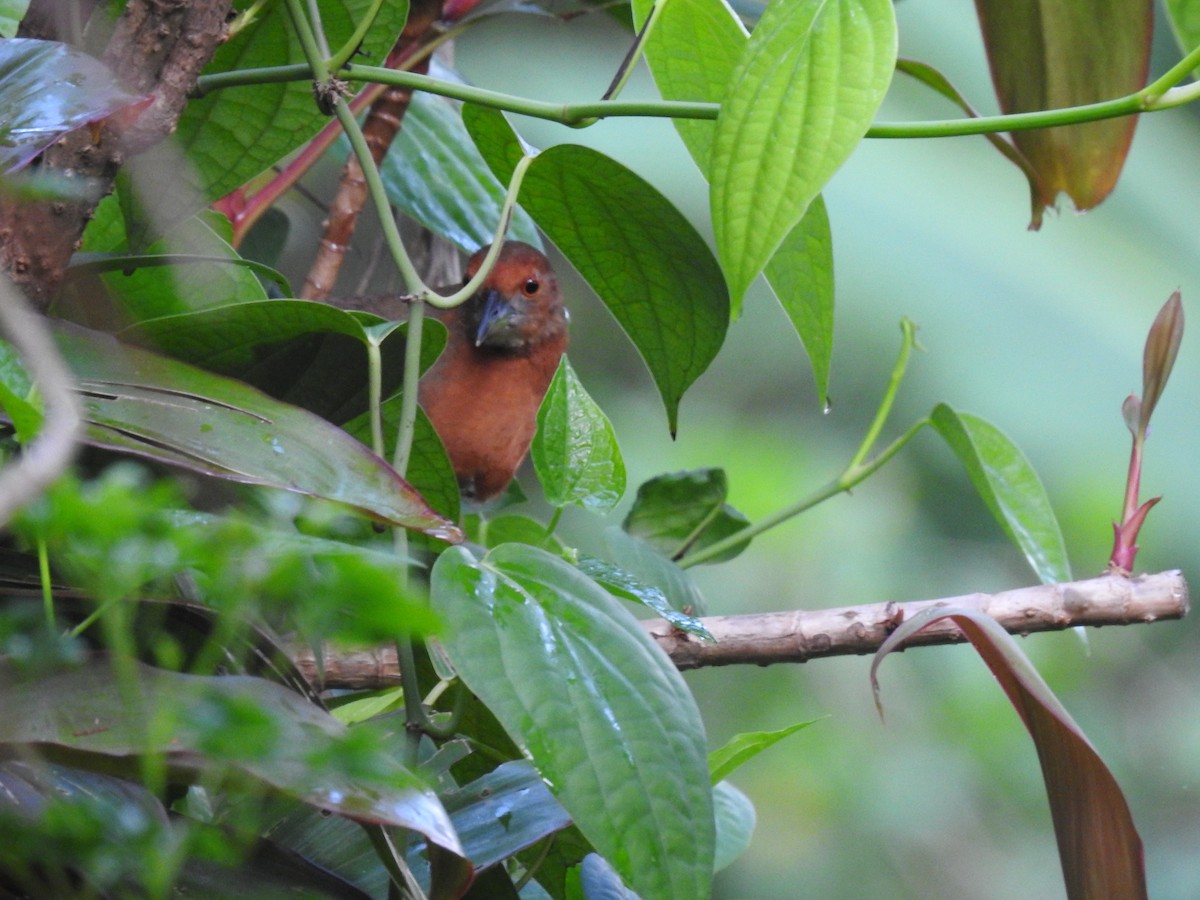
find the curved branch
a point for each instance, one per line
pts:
(800, 635)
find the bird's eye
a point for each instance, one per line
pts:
(531, 286)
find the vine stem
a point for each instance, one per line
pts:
(1158, 96)
(856, 471)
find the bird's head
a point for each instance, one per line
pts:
(519, 305)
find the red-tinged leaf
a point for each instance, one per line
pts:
(1051, 54)
(158, 408)
(1098, 845)
(48, 89)
(1162, 346)
(1125, 535)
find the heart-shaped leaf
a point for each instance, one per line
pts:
(1011, 489)
(575, 450)
(685, 511)
(810, 79)
(1098, 844)
(599, 709)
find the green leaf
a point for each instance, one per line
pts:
(693, 53)
(434, 174)
(254, 727)
(640, 560)
(735, 823)
(724, 761)
(685, 511)
(1011, 489)
(1046, 54)
(620, 583)
(1184, 16)
(1098, 844)
(600, 710)
(47, 90)
(151, 406)
(18, 399)
(11, 14)
(809, 82)
(639, 254)
(515, 529)
(575, 450)
(234, 134)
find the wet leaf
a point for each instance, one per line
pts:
(597, 706)
(622, 584)
(1050, 54)
(48, 89)
(1098, 845)
(575, 450)
(1009, 487)
(158, 408)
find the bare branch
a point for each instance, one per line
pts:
(801, 635)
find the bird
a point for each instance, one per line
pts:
(503, 347)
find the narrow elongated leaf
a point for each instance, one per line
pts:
(724, 761)
(162, 409)
(808, 84)
(261, 729)
(1046, 54)
(693, 53)
(638, 253)
(685, 511)
(234, 134)
(434, 174)
(597, 706)
(48, 89)
(575, 450)
(640, 560)
(1011, 489)
(620, 583)
(1098, 845)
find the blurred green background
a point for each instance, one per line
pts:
(1041, 333)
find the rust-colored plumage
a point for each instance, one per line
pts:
(504, 345)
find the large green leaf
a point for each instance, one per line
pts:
(100, 719)
(48, 89)
(162, 409)
(234, 134)
(808, 84)
(575, 449)
(1185, 22)
(1050, 54)
(638, 253)
(1098, 845)
(682, 512)
(434, 174)
(693, 52)
(1010, 487)
(597, 706)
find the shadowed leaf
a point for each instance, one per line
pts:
(1050, 54)
(683, 512)
(1098, 845)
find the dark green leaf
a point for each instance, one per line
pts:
(724, 761)
(594, 702)
(1098, 844)
(638, 253)
(575, 450)
(685, 511)
(804, 93)
(257, 728)
(48, 89)
(637, 558)
(1011, 489)
(1046, 54)
(434, 174)
(234, 134)
(155, 407)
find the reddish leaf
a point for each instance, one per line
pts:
(1098, 844)
(1050, 54)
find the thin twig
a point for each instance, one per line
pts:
(801, 635)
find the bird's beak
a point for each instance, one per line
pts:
(497, 313)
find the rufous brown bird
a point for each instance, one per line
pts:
(504, 345)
